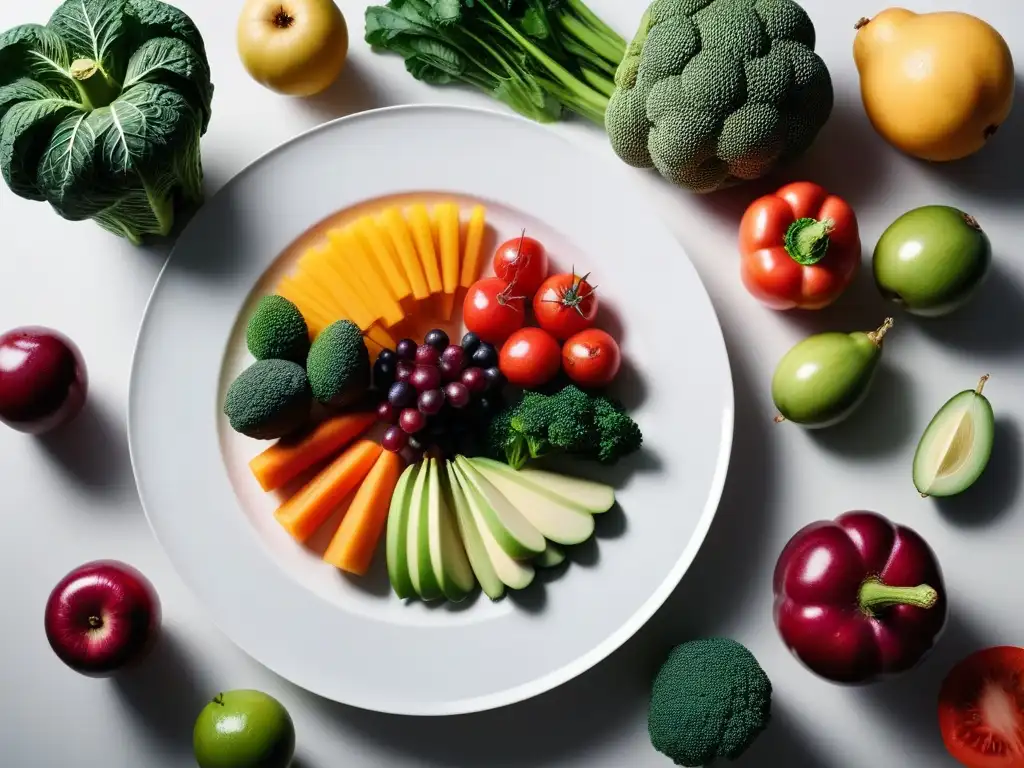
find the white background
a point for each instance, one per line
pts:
(70, 498)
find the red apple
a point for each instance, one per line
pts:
(101, 617)
(43, 381)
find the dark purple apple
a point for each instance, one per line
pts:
(43, 381)
(102, 616)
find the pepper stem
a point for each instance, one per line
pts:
(878, 334)
(875, 596)
(807, 240)
(95, 86)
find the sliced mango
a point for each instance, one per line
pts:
(316, 267)
(349, 257)
(401, 239)
(317, 318)
(423, 236)
(321, 281)
(381, 337)
(447, 216)
(385, 259)
(474, 245)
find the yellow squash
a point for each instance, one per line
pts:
(936, 86)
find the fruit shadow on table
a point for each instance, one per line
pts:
(352, 92)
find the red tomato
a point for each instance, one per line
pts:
(530, 358)
(981, 709)
(591, 358)
(492, 311)
(565, 305)
(523, 263)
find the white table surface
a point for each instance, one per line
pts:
(71, 498)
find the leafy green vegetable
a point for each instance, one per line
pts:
(102, 110)
(539, 57)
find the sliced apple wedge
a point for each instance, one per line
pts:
(418, 541)
(513, 532)
(551, 557)
(553, 516)
(397, 531)
(448, 559)
(587, 495)
(480, 561)
(513, 573)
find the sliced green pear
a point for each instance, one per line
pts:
(418, 540)
(587, 495)
(551, 557)
(557, 520)
(447, 556)
(397, 530)
(955, 448)
(513, 573)
(513, 532)
(480, 561)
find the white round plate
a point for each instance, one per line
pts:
(349, 639)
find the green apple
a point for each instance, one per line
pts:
(513, 532)
(558, 520)
(396, 541)
(244, 729)
(491, 585)
(932, 259)
(448, 558)
(417, 540)
(551, 557)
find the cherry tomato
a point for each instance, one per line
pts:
(530, 358)
(981, 709)
(522, 262)
(565, 305)
(591, 358)
(493, 310)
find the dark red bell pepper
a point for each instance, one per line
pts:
(858, 598)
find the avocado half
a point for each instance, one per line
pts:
(955, 448)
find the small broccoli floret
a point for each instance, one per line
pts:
(568, 421)
(269, 399)
(710, 700)
(277, 331)
(339, 365)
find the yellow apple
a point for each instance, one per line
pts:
(294, 47)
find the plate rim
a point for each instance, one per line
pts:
(643, 613)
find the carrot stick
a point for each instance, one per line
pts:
(308, 509)
(355, 543)
(288, 458)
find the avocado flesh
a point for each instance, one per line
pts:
(448, 559)
(955, 448)
(479, 560)
(397, 530)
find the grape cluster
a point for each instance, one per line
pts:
(436, 394)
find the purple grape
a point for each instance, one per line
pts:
(436, 338)
(416, 444)
(474, 380)
(403, 371)
(427, 355)
(383, 373)
(495, 378)
(387, 413)
(394, 439)
(401, 394)
(449, 372)
(411, 455)
(388, 355)
(470, 343)
(454, 356)
(426, 377)
(485, 356)
(431, 401)
(412, 421)
(457, 394)
(406, 350)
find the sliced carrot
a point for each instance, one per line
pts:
(419, 221)
(385, 259)
(308, 509)
(349, 255)
(474, 244)
(355, 542)
(448, 238)
(401, 238)
(290, 457)
(381, 337)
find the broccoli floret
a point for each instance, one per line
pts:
(710, 700)
(568, 421)
(277, 331)
(339, 365)
(269, 399)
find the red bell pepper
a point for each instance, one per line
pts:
(858, 598)
(800, 247)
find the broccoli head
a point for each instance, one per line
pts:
(277, 331)
(339, 365)
(269, 399)
(710, 700)
(713, 92)
(568, 421)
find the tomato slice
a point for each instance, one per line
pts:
(981, 709)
